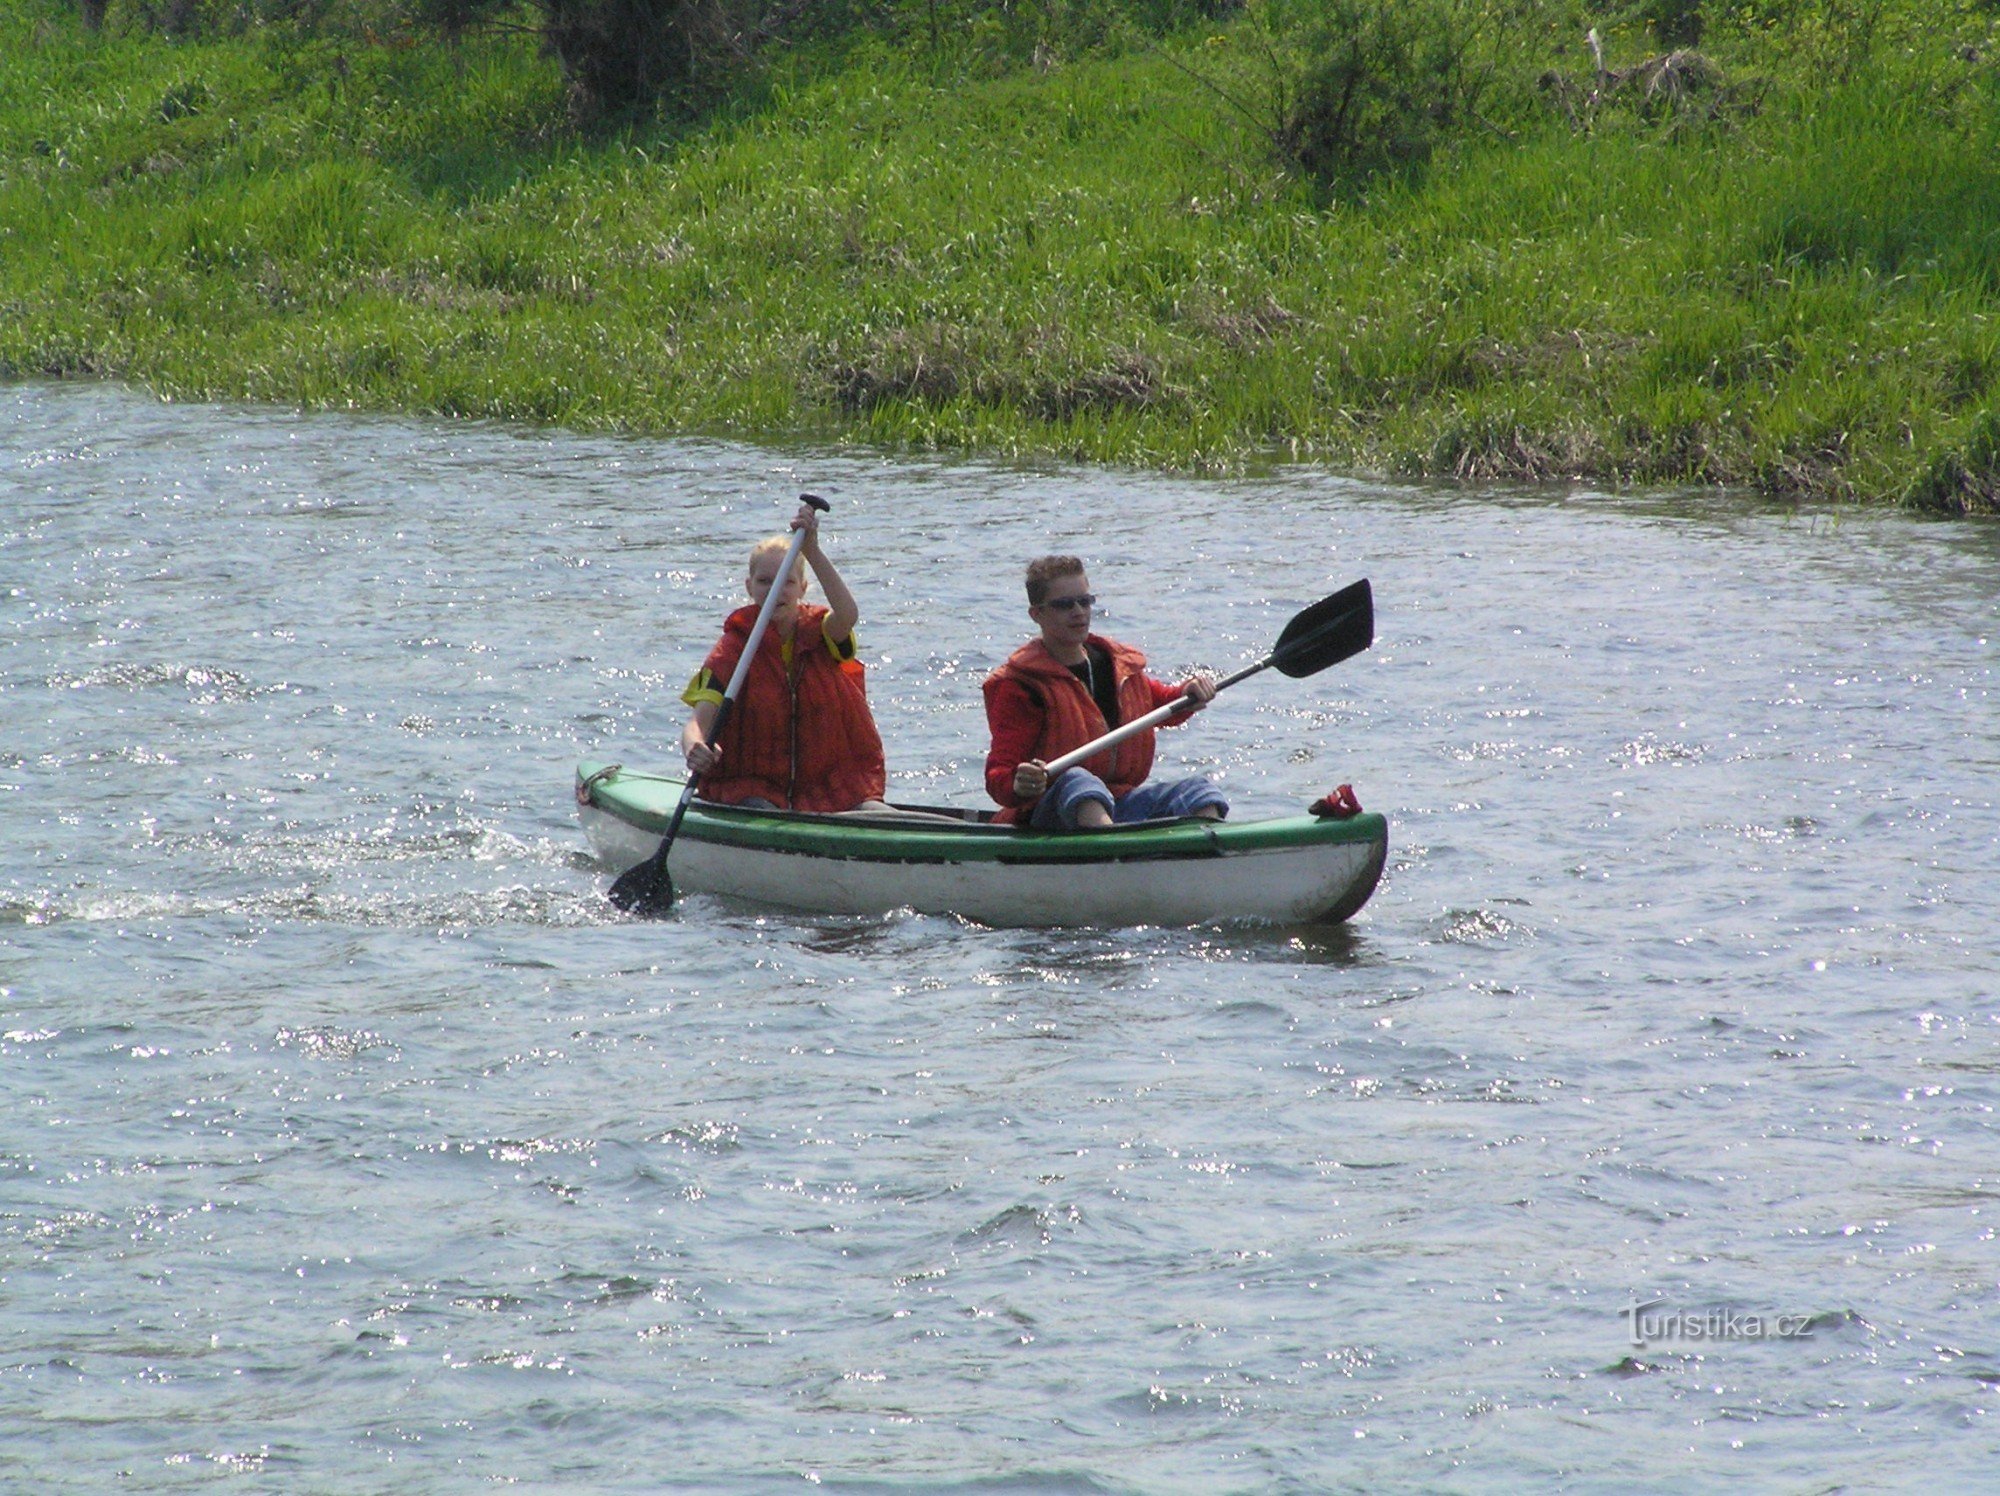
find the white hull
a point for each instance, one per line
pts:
(1288, 885)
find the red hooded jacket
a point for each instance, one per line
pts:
(1037, 708)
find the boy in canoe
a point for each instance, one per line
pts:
(1068, 687)
(800, 736)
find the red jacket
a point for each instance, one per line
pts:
(801, 737)
(1037, 708)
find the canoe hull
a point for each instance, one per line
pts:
(1295, 871)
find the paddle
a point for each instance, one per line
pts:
(1324, 634)
(646, 889)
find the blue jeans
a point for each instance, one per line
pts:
(1153, 800)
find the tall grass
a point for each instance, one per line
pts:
(1799, 291)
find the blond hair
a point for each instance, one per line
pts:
(772, 545)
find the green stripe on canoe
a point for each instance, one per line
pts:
(647, 801)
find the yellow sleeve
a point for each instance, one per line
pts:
(842, 650)
(702, 688)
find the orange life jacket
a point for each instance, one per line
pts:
(801, 736)
(1070, 717)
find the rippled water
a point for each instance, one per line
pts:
(352, 1142)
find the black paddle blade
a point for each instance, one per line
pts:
(644, 890)
(1328, 632)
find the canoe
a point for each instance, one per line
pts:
(1295, 870)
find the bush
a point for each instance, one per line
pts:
(1379, 83)
(1677, 23)
(624, 57)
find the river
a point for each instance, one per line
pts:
(1640, 1132)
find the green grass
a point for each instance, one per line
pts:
(1099, 260)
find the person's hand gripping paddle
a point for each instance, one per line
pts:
(646, 889)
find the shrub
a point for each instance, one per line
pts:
(1677, 23)
(1373, 86)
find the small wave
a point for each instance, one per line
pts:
(1835, 1319)
(329, 1043)
(99, 907)
(617, 1288)
(490, 1303)
(1023, 1225)
(1167, 1402)
(388, 843)
(556, 908)
(139, 754)
(57, 1230)
(1629, 1366)
(228, 1462)
(56, 456)
(510, 1150)
(1476, 927)
(515, 1361)
(1641, 752)
(464, 909)
(1254, 1007)
(1792, 828)
(206, 684)
(702, 1137)
(1499, 1090)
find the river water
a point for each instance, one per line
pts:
(1640, 1132)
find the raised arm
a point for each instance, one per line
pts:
(842, 611)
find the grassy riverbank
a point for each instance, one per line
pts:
(1784, 272)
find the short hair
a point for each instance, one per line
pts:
(1045, 569)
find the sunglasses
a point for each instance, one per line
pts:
(1080, 600)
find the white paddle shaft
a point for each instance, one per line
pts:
(1114, 737)
(1153, 718)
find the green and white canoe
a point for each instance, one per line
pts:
(1298, 870)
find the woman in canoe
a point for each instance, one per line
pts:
(800, 736)
(1067, 687)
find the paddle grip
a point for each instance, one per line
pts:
(816, 501)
